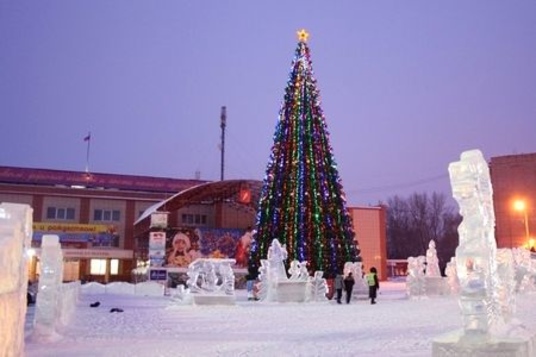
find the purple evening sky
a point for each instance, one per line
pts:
(406, 86)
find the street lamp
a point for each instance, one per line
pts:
(520, 205)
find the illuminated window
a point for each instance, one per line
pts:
(98, 267)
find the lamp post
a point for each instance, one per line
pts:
(520, 205)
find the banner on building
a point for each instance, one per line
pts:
(183, 246)
(77, 235)
(157, 249)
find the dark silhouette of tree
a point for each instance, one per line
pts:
(414, 221)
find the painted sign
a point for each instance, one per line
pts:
(158, 274)
(86, 235)
(183, 246)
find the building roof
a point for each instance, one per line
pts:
(206, 193)
(46, 177)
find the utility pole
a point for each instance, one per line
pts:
(223, 122)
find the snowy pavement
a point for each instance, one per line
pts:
(155, 326)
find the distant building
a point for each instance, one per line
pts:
(370, 224)
(103, 219)
(93, 214)
(514, 196)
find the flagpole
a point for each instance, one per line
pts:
(88, 139)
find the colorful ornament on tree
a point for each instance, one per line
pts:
(302, 201)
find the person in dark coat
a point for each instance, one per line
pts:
(349, 286)
(373, 284)
(251, 277)
(339, 285)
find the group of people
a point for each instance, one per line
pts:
(347, 283)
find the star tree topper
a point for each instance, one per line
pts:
(302, 35)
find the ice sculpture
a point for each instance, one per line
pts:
(523, 273)
(211, 281)
(181, 296)
(506, 290)
(415, 283)
(277, 254)
(360, 289)
(15, 237)
(274, 284)
(432, 263)
(452, 276)
(434, 284)
(264, 292)
(47, 308)
(317, 287)
(485, 275)
(475, 255)
(298, 271)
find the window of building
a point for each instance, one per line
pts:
(98, 267)
(102, 215)
(198, 219)
(60, 213)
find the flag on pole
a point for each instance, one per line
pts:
(87, 139)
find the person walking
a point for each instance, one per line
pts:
(373, 284)
(251, 277)
(349, 286)
(339, 284)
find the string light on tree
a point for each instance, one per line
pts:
(302, 201)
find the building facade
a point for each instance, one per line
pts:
(92, 213)
(370, 224)
(100, 217)
(514, 197)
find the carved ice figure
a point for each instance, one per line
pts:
(356, 268)
(210, 279)
(194, 270)
(210, 275)
(522, 263)
(274, 284)
(486, 274)
(304, 273)
(294, 270)
(452, 276)
(277, 254)
(228, 278)
(15, 238)
(273, 270)
(317, 287)
(415, 282)
(505, 291)
(298, 271)
(48, 303)
(475, 255)
(349, 267)
(432, 263)
(182, 295)
(263, 292)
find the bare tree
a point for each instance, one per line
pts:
(413, 222)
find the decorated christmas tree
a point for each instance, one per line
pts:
(302, 202)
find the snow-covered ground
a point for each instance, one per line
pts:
(155, 326)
